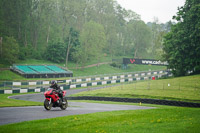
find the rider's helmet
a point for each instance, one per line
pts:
(53, 83)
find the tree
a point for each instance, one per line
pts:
(1, 46)
(182, 45)
(10, 50)
(71, 41)
(34, 24)
(26, 52)
(55, 52)
(138, 35)
(157, 39)
(78, 56)
(92, 40)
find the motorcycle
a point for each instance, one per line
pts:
(53, 100)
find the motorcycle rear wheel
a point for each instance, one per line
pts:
(64, 106)
(47, 106)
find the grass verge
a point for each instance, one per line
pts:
(9, 75)
(179, 89)
(163, 119)
(6, 102)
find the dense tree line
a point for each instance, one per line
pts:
(182, 44)
(75, 30)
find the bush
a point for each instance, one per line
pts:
(26, 52)
(55, 52)
(10, 50)
(114, 64)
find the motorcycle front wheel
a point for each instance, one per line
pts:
(47, 105)
(64, 105)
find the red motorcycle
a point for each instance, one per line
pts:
(53, 100)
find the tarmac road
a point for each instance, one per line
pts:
(19, 114)
(40, 97)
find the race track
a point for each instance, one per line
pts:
(20, 114)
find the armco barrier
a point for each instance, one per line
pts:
(138, 100)
(106, 80)
(92, 78)
(65, 87)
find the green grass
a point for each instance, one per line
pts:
(6, 102)
(34, 61)
(70, 64)
(180, 89)
(162, 119)
(102, 69)
(9, 75)
(107, 69)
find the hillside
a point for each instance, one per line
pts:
(94, 69)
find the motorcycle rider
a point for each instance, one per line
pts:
(55, 86)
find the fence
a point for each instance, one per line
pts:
(39, 86)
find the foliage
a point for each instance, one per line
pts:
(55, 52)
(93, 41)
(158, 31)
(10, 50)
(139, 36)
(114, 64)
(77, 55)
(34, 24)
(26, 52)
(72, 42)
(182, 45)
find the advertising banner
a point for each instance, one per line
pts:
(144, 61)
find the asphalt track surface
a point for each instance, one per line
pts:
(10, 115)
